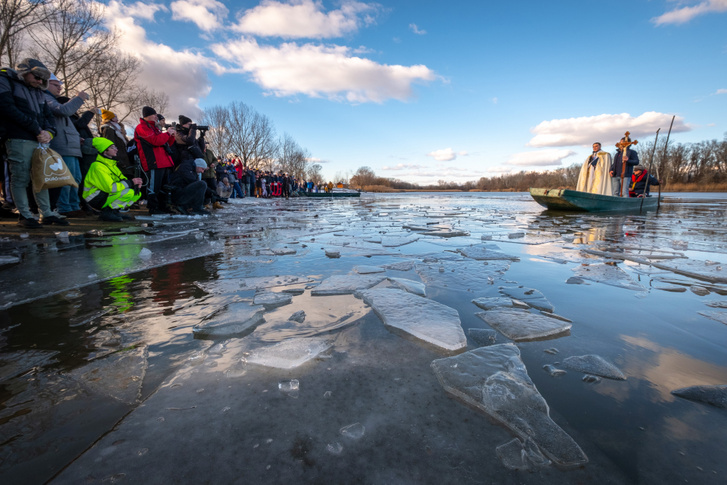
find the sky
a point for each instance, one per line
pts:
(425, 90)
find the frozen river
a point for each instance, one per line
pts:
(398, 338)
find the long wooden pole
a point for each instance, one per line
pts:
(648, 173)
(663, 156)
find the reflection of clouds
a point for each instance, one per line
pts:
(669, 369)
(681, 430)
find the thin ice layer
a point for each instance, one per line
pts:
(531, 296)
(714, 395)
(289, 354)
(415, 287)
(424, 319)
(608, 275)
(346, 284)
(594, 364)
(716, 315)
(236, 320)
(495, 380)
(467, 275)
(486, 252)
(520, 325)
(271, 299)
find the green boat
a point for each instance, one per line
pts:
(573, 200)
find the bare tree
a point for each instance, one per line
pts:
(218, 137)
(293, 158)
(314, 174)
(363, 176)
(15, 17)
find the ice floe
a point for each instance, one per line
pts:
(530, 296)
(517, 455)
(495, 380)
(118, 375)
(271, 299)
(467, 275)
(710, 271)
(716, 315)
(289, 354)
(415, 287)
(424, 319)
(594, 364)
(346, 284)
(235, 320)
(519, 325)
(490, 303)
(364, 269)
(486, 252)
(607, 274)
(713, 395)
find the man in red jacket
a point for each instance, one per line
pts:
(154, 152)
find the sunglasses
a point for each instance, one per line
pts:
(37, 78)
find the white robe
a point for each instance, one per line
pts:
(596, 180)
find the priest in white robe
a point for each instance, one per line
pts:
(595, 177)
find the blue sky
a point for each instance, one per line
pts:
(433, 90)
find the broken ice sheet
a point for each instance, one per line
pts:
(234, 320)
(517, 455)
(118, 375)
(716, 315)
(710, 271)
(495, 380)
(497, 302)
(467, 275)
(424, 319)
(486, 252)
(365, 269)
(21, 361)
(519, 325)
(713, 395)
(532, 297)
(397, 241)
(271, 299)
(411, 286)
(407, 265)
(716, 303)
(346, 284)
(594, 364)
(235, 285)
(289, 354)
(608, 274)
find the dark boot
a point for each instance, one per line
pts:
(109, 215)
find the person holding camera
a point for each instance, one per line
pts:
(156, 160)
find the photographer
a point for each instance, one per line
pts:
(154, 153)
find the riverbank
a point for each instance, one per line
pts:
(716, 188)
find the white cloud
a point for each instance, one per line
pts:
(685, 14)
(494, 100)
(403, 166)
(540, 158)
(321, 71)
(606, 128)
(721, 91)
(444, 155)
(304, 19)
(182, 75)
(207, 14)
(417, 30)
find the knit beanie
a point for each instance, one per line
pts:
(36, 67)
(147, 111)
(107, 115)
(183, 120)
(101, 144)
(200, 163)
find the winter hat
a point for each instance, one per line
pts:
(54, 78)
(183, 120)
(107, 115)
(36, 67)
(147, 111)
(639, 167)
(200, 163)
(102, 144)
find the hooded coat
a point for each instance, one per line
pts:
(24, 112)
(104, 179)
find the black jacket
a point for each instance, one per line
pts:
(24, 112)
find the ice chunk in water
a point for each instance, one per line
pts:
(485, 252)
(236, 320)
(411, 286)
(482, 337)
(396, 241)
(517, 455)
(346, 284)
(609, 275)
(714, 395)
(402, 266)
(424, 319)
(118, 375)
(498, 302)
(465, 275)
(298, 316)
(289, 354)
(532, 297)
(703, 270)
(354, 431)
(364, 269)
(716, 303)
(333, 254)
(594, 364)
(270, 299)
(290, 387)
(495, 380)
(145, 253)
(716, 315)
(520, 325)
(553, 371)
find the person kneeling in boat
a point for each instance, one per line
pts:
(594, 177)
(639, 182)
(105, 188)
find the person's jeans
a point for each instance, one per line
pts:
(238, 190)
(68, 201)
(20, 153)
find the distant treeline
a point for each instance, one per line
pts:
(685, 166)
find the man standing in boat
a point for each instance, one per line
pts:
(594, 176)
(625, 156)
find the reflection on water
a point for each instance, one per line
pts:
(103, 328)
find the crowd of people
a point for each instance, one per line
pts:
(166, 168)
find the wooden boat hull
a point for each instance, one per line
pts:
(330, 194)
(573, 200)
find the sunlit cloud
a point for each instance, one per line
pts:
(445, 155)
(208, 15)
(403, 166)
(305, 19)
(685, 14)
(721, 91)
(605, 128)
(321, 71)
(540, 158)
(417, 30)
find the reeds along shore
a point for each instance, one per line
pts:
(678, 187)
